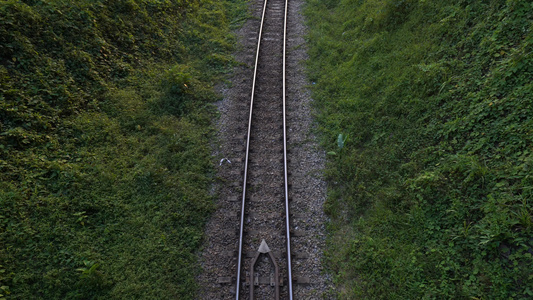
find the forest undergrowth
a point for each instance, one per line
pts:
(105, 144)
(426, 110)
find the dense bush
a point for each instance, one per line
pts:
(431, 194)
(105, 136)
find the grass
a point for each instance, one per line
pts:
(430, 194)
(105, 134)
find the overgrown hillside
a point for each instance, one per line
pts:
(427, 111)
(105, 132)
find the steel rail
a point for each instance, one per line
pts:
(241, 232)
(286, 177)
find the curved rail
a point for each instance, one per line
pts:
(245, 176)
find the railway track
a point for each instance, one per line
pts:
(253, 240)
(265, 176)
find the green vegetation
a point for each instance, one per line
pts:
(431, 192)
(105, 136)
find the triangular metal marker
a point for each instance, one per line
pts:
(263, 248)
